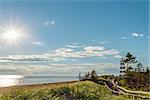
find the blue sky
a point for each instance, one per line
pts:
(64, 33)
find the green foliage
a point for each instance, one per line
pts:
(70, 91)
(130, 58)
(135, 78)
(122, 82)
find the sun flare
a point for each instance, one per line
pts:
(12, 35)
(10, 80)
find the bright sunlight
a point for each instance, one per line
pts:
(10, 80)
(12, 35)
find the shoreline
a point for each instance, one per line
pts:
(40, 84)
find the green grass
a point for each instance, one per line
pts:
(66, 91)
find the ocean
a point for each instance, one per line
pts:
(13, 80)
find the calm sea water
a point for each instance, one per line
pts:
(12, 80)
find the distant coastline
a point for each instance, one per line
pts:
(41, 84)
(15, 80)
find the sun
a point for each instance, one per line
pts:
(12, 35)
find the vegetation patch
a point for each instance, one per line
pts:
(85, 90)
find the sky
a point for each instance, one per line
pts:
(69, 37)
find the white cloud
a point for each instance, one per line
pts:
(111, 52)
(30, 58)
(100, 42)
(141, 35)
(21, 68)
(123, 38)
(136, 34)
(133, 35)
(63, 50)
(65, 53)
(49, 23)
(88, 51)
(103, 42)
(118, 56)
(23, 58)
(53, 69)
(72, 46)
(94, 48)
(37, 43)
(47, 62)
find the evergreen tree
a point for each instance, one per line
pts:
(129, 76)
(129, 59)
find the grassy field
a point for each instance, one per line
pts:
(84, 90)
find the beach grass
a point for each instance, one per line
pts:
(76, 90)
